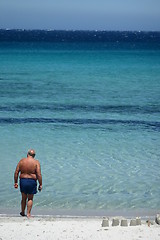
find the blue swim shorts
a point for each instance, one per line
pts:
(28, 186)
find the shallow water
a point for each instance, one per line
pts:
(92, 114)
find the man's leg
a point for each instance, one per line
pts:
(23, 204)
(29, 204)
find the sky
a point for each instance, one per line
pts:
(134, 15)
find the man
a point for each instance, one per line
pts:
(30, 172)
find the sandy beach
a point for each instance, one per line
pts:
(15, 227)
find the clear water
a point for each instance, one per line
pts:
(92, 113)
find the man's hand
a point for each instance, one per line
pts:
(40, 188)
(16, 185)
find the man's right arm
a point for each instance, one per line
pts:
(39, 175)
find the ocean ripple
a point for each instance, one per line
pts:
(82, 121)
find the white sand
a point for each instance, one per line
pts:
(56, 228)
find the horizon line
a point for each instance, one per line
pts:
(74, 30)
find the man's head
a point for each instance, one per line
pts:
(31, 153)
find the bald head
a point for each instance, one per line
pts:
(31, 153)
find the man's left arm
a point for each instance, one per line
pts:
(16, 173)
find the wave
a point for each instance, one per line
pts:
(82, 121)
(79, 107)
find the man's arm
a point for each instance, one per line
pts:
(39, 175)
(16, 173)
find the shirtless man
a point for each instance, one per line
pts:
(30, 172)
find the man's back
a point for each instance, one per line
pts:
(28, 168)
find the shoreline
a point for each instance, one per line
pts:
(83, 213)
(75, 212)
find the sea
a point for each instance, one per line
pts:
(88, 102)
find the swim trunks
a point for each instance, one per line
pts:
(28, 186)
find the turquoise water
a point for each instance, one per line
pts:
(92, 114)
